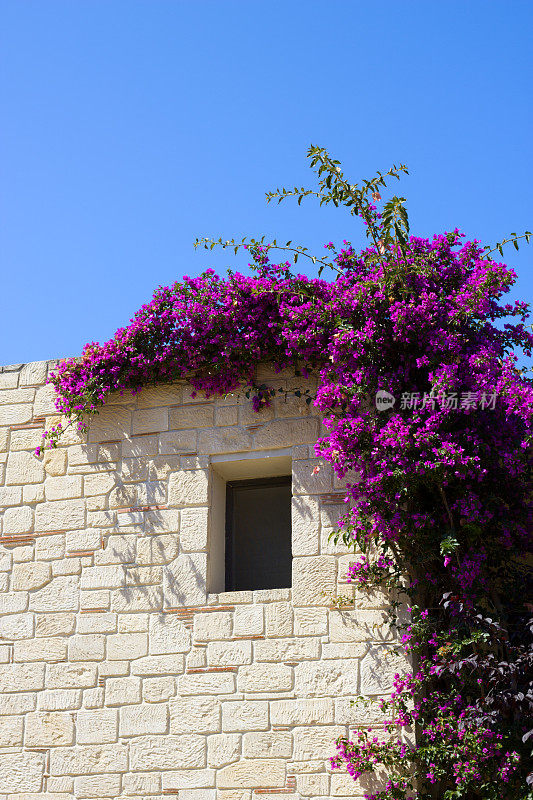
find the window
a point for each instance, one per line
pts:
(258, 534)
(249, 545)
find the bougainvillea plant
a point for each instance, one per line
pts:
(421, 392)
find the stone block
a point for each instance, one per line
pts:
(11, 731)
(123, 496)
(57, 624)
(229, 654)
(188, 488)
(287, 432)
(212, 625)
(15, 414)
(360, 625)
(160, 395)
(157, 690)
(48, 729)
(50, 547)
(60, 515)
(141, 784)
(326, 678)
(312, 476)
(193, 529)
(249, 620)
(16, 626)
(212, 683)
(279, 619)
(168, 635)
(198, 794)
(71, 676)
(44, 403)
(193, 415)
(97, 726)
(313, 711)
(226, 415)
(133, 623)
(97, 623)
(310, 621)
(113, 669)
(223, 440)
(287, 649)
(188, 779)
(52, 649)
(103, 577)
(61, 594)
(134, 470)
(126, 645)
(21, 677)
(55, 461)
(176, 442)
(143, 719)
(252, 773)
(97, 786)
(305, 526)
(316, 742)
(152, 493)
(23, 439)
(159, 549)
(89, 760)
(378, 668)
(139, 446)
(122, 691)
(158, 665)
(244, 715)
(21, 772)
(111, 423)
(267, 744)
(87, 539)
(118, 549)
(312, 576)
(10, 496)
(265, 678)
(222, 749)
(353, 714)
(17, 703)
(33, 493)
(167, 752)
(313, 785)
(147, 598)
(59, 700)
(150, 420)
(184, 580)
(62, 487)
(33, 374)
(195, 715)
(18, 520)
(86, 647)
(98, 483)
(94, 697)
(23, 468)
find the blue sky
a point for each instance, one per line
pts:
(130, 127)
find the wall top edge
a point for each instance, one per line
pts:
(50, 362)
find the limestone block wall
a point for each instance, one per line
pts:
(125, 669)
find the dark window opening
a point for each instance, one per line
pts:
(258, 534)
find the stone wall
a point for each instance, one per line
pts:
(124, 671)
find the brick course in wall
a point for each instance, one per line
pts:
(121, 674)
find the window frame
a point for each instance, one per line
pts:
(229, 533)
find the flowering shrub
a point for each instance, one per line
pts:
(442, 508)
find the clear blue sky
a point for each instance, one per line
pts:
(130, 127)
